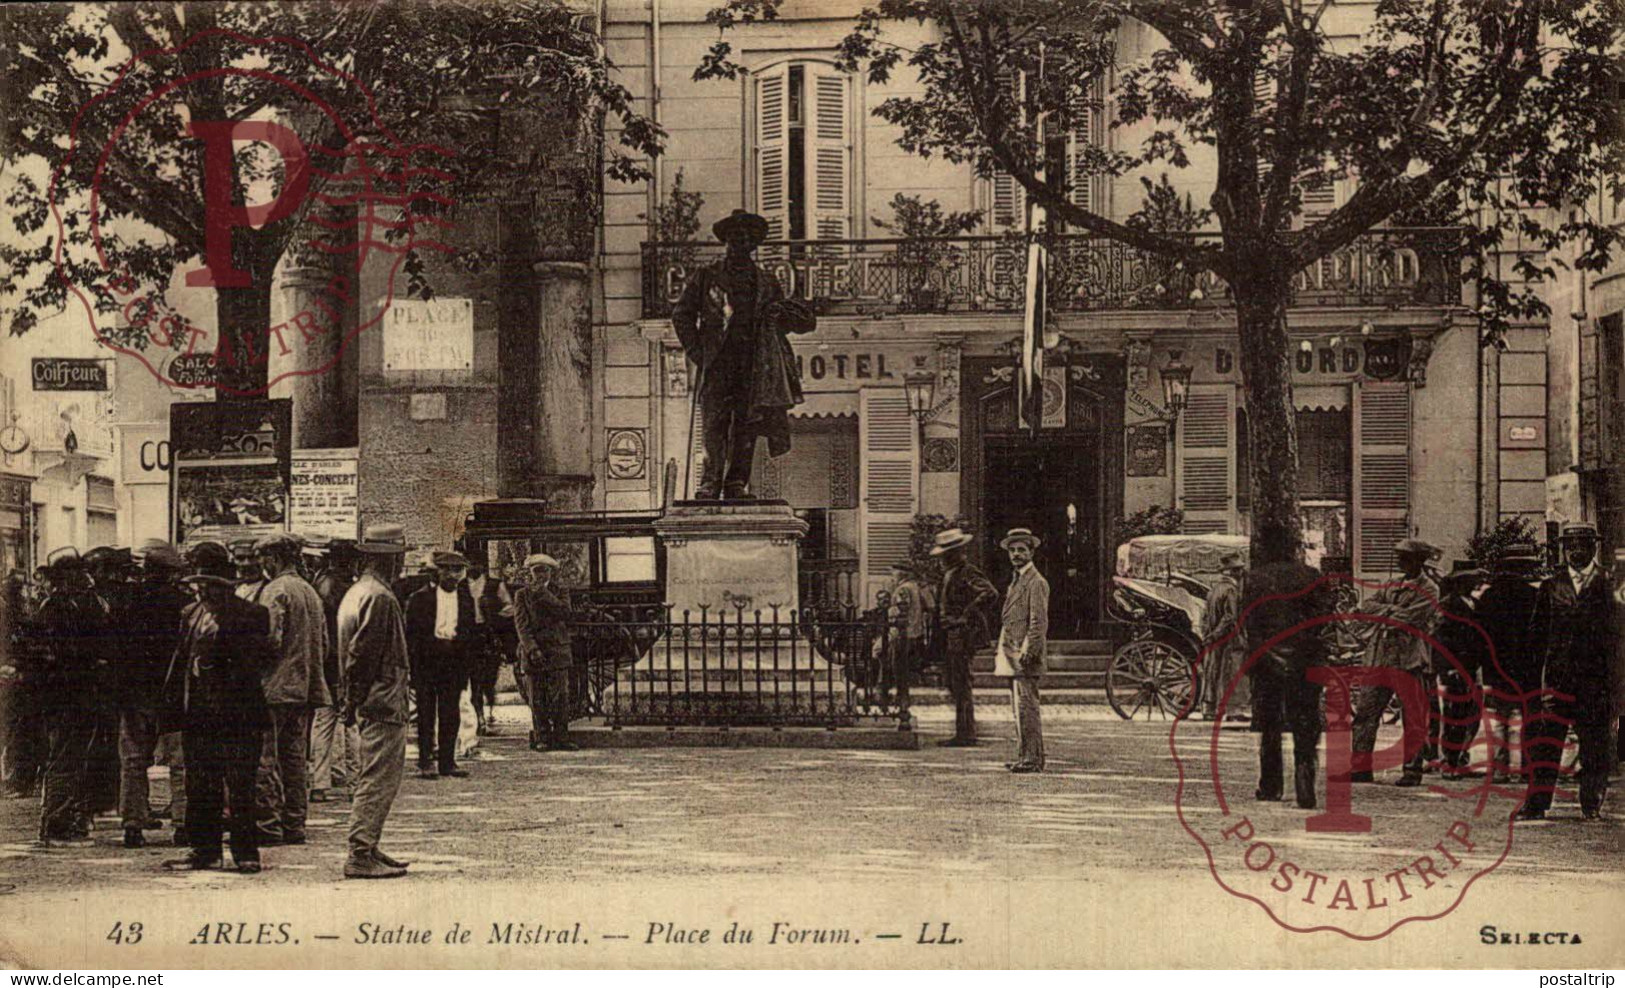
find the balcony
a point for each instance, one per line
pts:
(1396, 267)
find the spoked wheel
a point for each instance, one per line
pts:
(1150, 677)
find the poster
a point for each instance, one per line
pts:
(323, 493)
(230, 469)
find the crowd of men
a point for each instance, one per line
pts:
(265, 675)
(1523, 659)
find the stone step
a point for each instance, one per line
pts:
(1087, 680)
(933, 696)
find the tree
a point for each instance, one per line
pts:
(399, 108)
(1442, 105)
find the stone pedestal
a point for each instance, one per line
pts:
(727, 557)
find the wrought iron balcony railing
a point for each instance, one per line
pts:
(1408, 266)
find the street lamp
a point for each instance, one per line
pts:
(1176, 383)
(921, 387)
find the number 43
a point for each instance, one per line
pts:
(125, 933)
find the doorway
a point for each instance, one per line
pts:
(1051, 486)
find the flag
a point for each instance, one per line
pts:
(1030, 389)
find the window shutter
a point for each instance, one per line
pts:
(772, 151)
(890, 476)
(1085, 190)
(1382, 482)
(1207, 467)
(1006, 200)
(829, 152)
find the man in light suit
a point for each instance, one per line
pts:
(1022, 631)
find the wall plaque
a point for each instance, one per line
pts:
(1148, 450)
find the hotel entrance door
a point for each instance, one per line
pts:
(1052, 487)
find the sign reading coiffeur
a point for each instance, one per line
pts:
(69, 374)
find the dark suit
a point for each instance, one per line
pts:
(1284, 699)
(1512, 669)
(1579, 637)
(440, 669)
(731, 321)
(542, 619)
(213, 687)
(966, 607)
(71, 638)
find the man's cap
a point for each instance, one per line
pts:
(211, 563)
(1416, 547)
(106, 555)
(1578, 531)
(949, 539)
(285, 543)
(1018, 536)
(447, 559)
(740, 222)
(540, 559)
(384, 539)
(312, 544)
(157, 552)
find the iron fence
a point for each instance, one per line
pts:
(1402, 266)
(830, 668)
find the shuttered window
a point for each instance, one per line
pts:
(804, 112)
(890, 473)
(1207, 461)
(1382, 428)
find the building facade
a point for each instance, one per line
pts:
(1405, 426)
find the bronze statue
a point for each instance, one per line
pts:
(732, 320)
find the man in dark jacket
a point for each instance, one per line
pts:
(1456, 666)
(542, 618)
(441, 637)
(333, 745)
(493, 627)
(1512, 669)
(214, 682)
(152, 632)
(1574, 614)
(732, 319)
(1280, 597)
(71, 626)
(965, 606)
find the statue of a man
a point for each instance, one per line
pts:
(732, 320)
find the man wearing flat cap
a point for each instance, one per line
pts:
(542, 618)
(965, 605)
(441, 636)
(152, 633)
(1411, 601)
(1574, 615)
(1023, 637)
(377, 673)
(732, 320)
(294, 687)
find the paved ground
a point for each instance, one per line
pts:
(605, 814)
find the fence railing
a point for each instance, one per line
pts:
(1401, 266)
(802, 668)
(828, 584)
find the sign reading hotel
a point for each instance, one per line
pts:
(324, 493)
(433, 335)
(69, 374)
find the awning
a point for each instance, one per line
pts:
(1321, 397)
(828, 405)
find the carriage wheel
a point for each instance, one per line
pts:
(1152, 677)
(610, 653)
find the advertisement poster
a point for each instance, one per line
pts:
(323, 493)
(230, 469)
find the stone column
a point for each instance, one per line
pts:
(562, 440)
(308, 342)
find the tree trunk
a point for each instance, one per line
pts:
(241, 354)
(1266, 374)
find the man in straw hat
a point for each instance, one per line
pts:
(1224, 642)
(441, 637)
(542, 618)
(732, 319)
(1412, 601)
(1023, 632)
(295, 686)
(214, 683)
(376, 671)
(152, 632)
(965, 605)
(1574, 615)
